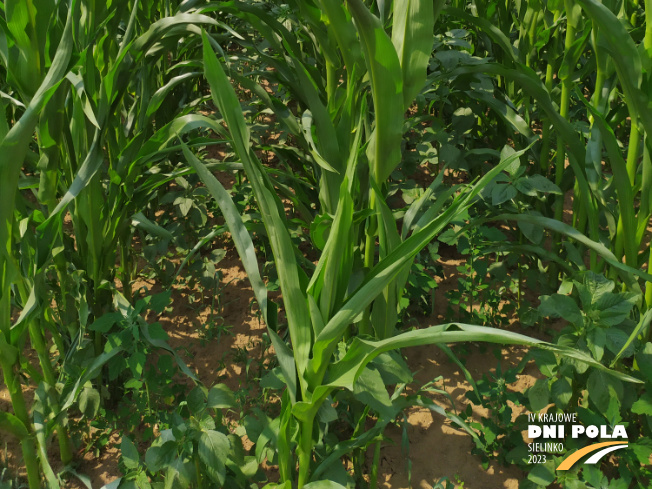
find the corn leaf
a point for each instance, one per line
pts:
(386, 81)
(344, 32)
(625, 271)
(626, 58)
(270, 208)
(413, 38)
(624, 189)
(389, 268)
(239, 233)
(344, 372)
(11, 424)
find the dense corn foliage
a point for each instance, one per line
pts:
(529, 120)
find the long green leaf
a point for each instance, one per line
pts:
(159, 96)
(531, 84)
(11, 424)
(642, 326)
(626, 271)
(239, 233)
(490, 29)
(294, 298)
(413, 38)
(626, 58)
(345, 372)
(390, 267)
(361, 352)
(13, 148)
(624, 189)
(386, 80)
(344, 33)
(384, 311)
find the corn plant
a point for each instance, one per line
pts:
(97, 96)
(88, 131)
(572, 39)
(115, 134)
(37, 86)
(321, 357)
(332, 129)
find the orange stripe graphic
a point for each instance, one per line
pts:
(570, 461)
